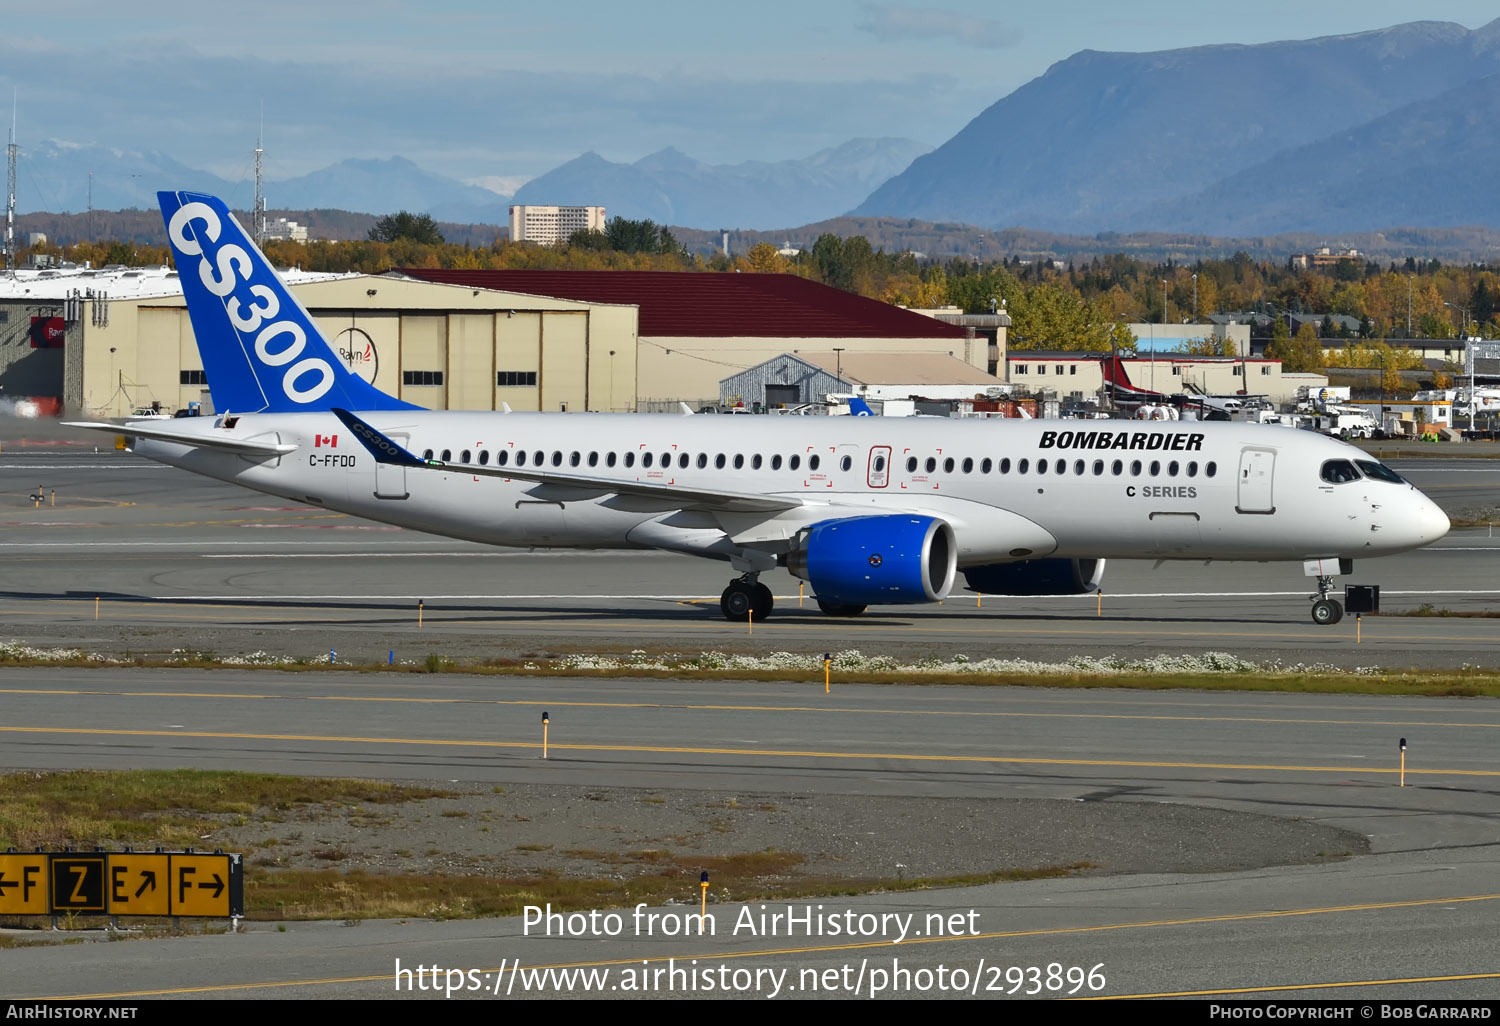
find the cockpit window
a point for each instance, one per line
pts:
(1379, 471)
(1339, 472)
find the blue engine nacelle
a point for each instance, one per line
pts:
(1037, 577)
(876, 560)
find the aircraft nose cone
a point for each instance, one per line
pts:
(1429, 522)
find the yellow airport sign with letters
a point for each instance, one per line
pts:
(77, 882)
(137, 884)
(23, 884)
(207, 885)
(122, 883)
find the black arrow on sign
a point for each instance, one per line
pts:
(148, 882)
(217, 886)
(4, 883)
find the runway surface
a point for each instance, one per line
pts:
(1421, 909)
(178, 560)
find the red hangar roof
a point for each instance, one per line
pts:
(711, 304)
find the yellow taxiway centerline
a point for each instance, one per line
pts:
(760, 752)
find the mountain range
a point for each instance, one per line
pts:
(1371, 131)
(1347, 133)
(669, 187)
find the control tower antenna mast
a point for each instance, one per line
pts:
(258, 215)
(10, 206)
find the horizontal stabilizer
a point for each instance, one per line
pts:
(200, 439)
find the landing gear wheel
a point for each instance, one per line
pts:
(835, 609)
(738, 601)
(764, 601)
(1327, 612)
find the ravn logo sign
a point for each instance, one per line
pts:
(357, 349)
(251, 306)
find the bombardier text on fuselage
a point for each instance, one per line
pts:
(867, 510)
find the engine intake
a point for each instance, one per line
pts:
(876, 560)
(1037, 577)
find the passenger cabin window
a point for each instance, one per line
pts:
(931, 464)
(629, 459)
(776, 462)
(484, 457)
(1338, 472)
(794, 461)
(1005, 466)
(1023, 466)
(682, 461)
(647, 459)
(520, 457)
(447, 455)
(755, 461)
(848, 461)
(703, 460)
(574, 459)
(427, 454)
(911, 464)
(813, 461)
(502, 457)
(1211, 469)
(609, 459)
(739, 460)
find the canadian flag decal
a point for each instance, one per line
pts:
(332, 441)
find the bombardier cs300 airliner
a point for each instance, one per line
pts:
(867, 510)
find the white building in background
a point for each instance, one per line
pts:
(547, 226)
(282, 230)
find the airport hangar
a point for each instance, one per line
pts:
(108, 341)
(696, 328)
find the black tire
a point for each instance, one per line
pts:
(1327, 612)
(764, 601)
(835, 609)
(737, 602)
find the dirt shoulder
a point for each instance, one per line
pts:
(589, 832)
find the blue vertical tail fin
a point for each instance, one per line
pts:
(262, 352)
(859, 408)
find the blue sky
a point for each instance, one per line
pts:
(498, 92)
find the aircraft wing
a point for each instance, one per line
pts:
(209, 440)
(670, 496)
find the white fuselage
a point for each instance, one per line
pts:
(1011, 489)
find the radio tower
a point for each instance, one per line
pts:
(10, 206)
(258, 215)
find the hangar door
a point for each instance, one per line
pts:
(783, 395)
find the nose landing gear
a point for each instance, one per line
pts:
(746, 598)
(1326, 611)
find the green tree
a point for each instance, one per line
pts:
(1298, 355)
(420, 228)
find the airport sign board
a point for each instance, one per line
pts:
(157, 883)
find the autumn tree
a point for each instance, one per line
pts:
(764, 259)
(1299, 355)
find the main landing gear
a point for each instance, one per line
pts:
(746, 598)
(1326, 611)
